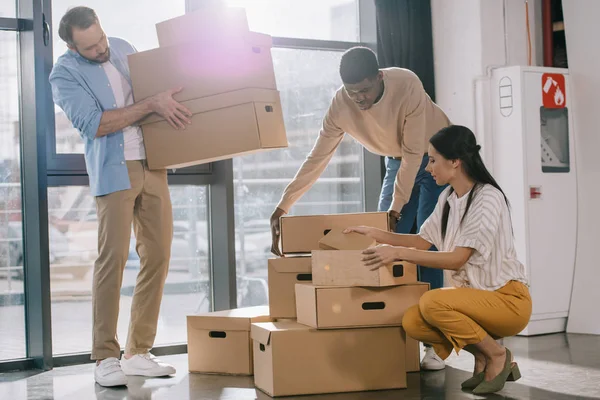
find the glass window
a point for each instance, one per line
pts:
(8, 8)
(132, 20)
(73, 250)
(307, 19)
(307, 80)
(12, 310)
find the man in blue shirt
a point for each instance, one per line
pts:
(91, 83)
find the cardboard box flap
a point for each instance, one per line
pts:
(223, 100)
(238, 319)
(292, 265)
(336, 239)
(261, 332)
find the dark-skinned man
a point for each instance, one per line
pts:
(390, 114)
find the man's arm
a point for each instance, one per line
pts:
(328, 141)
(115, 120)
(162, 104)
(412, 148)
(80, 107)
(87, 116)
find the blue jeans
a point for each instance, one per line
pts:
(422, 202)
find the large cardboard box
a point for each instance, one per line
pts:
(204, 68)
(207, 22)
(220, 343)
(326, 307)
(225, 125)
(283, 274)
(293, 359)
(301, 234)
(336, 239)
(346, 268)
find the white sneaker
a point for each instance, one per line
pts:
(146, 365)
(109, 373)
(431, 361)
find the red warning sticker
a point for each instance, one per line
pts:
(554, 94)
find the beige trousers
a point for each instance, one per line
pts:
(148, 206)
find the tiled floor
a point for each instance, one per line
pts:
(553, 367)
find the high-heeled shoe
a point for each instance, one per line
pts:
(510, 370)
(476, 379)
(473, 381)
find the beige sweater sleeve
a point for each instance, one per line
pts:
(412, 147)
(329, 139)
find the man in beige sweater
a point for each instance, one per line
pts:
(390, 114)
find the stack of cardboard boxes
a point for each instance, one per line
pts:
(332, 324)
(347, 335)
(228, 83)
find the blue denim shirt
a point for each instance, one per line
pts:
(81, 88)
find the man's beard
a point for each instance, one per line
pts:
(105, 57)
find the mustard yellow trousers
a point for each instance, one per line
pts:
(456, 317)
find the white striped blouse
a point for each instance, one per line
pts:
(487, 229)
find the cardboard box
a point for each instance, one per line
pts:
(220, 342)
(413, 354)
(326, 307)
(204, 68)
(223, 126)
(301, 234)
(346, 268)
(293, 359)
(206, 22)
(336, 239)
(284, 273)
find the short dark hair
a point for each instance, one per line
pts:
(358, 64)
(76, 17)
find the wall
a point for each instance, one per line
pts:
(469, 38)
(457, 45)
(582, 30)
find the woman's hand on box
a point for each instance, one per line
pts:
(380, 256)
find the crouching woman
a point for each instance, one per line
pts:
(471, 227)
